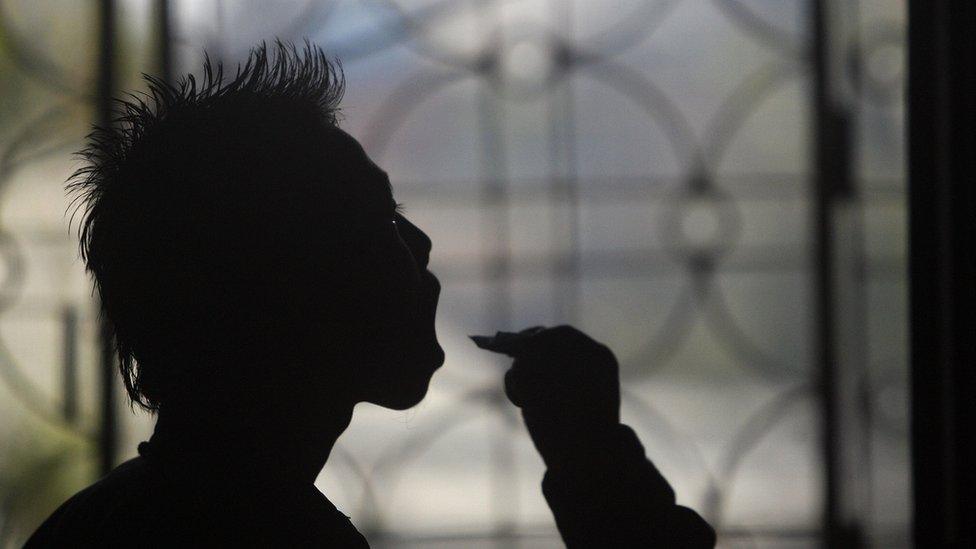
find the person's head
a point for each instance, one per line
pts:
(246, 248)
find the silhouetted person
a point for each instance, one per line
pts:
(260, 283)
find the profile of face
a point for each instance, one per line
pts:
(391, 325)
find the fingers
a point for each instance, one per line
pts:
(557, 368)
(563, 371)
(530, 383)
(514, 388)
(563, 349)
(539, 340)
(563, 339)
(509, 343)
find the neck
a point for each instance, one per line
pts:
(285, 443)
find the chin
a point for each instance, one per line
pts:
(407, 392)
(404, 402)
(404, 396)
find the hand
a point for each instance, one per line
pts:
(568, 388)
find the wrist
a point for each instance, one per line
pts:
(588, 447)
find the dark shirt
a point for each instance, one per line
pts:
(154, 501)
(610, 497)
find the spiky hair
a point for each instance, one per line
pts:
(156, 149)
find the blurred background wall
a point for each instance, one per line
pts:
(716, 189)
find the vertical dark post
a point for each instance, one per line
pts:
(831, 180)
(69, 362)
(496, 202)
(498, 272)
(106, 87)
(164, 47)
(942, 236)
(561, 104)
(219, 41)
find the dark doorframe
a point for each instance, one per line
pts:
(942, 166)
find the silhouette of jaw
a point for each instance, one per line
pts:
(409, 384)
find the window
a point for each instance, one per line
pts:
(642, 169)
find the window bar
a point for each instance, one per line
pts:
(565, 186)
(831, 183)
(69, 363)
(105, 88)
(503, 503)
(164, 42)
(495, 204)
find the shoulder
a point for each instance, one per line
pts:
(107, 506)
(142, 503)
